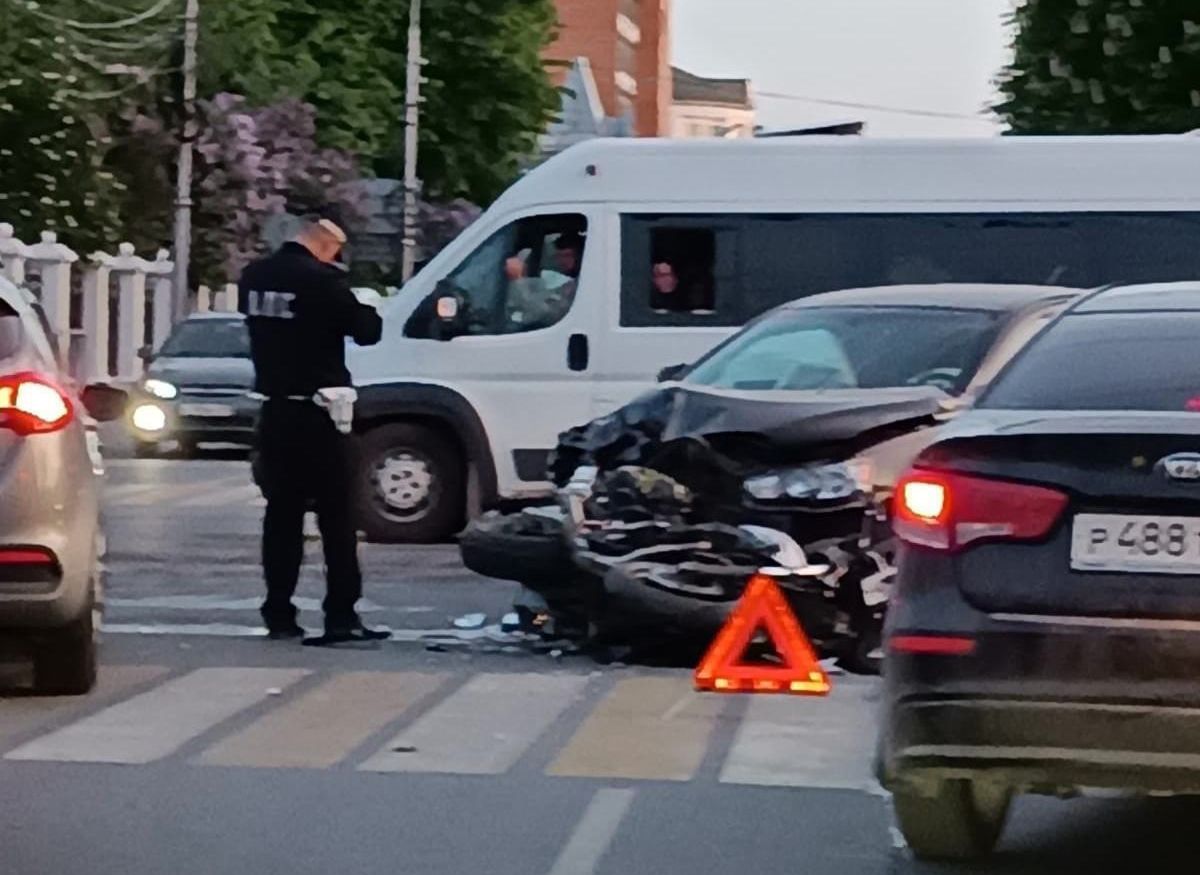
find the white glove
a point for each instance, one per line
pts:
(370, 297)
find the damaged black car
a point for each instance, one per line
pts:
(774, 451)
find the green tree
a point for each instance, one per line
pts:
(61, 104)
(487, 99)
(1103, 67)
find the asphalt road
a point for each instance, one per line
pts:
(207, 749)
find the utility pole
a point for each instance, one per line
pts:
(412, 112)
(183, 187)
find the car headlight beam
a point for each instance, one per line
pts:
(149, 418)
(161, 389)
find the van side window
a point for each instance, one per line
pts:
(679, 270)
(522, 278)
(682, 270)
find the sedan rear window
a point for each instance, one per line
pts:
(208, 338)
(852, 348)
(1106, 361)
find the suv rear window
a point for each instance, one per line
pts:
(1106, 361)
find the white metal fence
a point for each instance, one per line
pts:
(103, 308)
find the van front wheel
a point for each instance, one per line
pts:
(412, 485)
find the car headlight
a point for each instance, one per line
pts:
(819, 483)
(160, 389)
(149, 418)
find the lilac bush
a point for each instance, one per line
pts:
(253, 163)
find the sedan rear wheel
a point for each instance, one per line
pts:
(961, 820)
(64, 663)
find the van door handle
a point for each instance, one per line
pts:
(577, 352)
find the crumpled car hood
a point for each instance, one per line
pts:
(748, 429)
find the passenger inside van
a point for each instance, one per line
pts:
(681, 270)
(541, 300)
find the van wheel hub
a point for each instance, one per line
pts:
(404, 482)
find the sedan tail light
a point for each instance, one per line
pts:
(32, 404)
(948, 511)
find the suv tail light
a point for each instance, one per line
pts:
(948, 511)
(31, 404)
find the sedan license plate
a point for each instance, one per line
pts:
(205, 411)
(1127, 542)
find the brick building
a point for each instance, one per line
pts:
(626, 44)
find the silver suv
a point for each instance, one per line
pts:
(51, 542)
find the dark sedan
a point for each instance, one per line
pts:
(197, 388)
(1044, 631)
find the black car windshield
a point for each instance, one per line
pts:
(208, 338)
(1106, 361)
(853, 348)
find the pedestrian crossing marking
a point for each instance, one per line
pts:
(649, 728)
(483, 728)
(644, 727)
(224, 494)
(19, 716)
(797, 741)
(325, 725)
(157, 723)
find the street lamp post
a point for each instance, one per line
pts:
(412, 112)
(183, 188)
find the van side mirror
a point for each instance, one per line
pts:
(104, 403)
(672, 372)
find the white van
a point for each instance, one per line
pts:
(619, 257)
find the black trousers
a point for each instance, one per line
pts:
(303, 460)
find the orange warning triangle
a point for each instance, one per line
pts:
(762, 606)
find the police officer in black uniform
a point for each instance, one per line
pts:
(300, 310)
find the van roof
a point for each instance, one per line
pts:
(974, 296)
(862, 174)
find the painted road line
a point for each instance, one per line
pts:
(648, 728)
(157, 723)
(162, 493)
(118, 494)
(483, 728)
(322, 727)
(186, 602)
(442, 636)
(594, 833)
(239, 493)
(802, 741)
(20, 716)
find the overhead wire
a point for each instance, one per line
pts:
(874, 107)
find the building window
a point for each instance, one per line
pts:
(625, 82)
(627, 29)
(626, 58)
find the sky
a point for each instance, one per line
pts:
(938, 56)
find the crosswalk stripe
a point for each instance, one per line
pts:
(483, 728)
(19, 716)
(798, 741)
(323, 726)
(160, 494)
(239, 493)
(648, 728)
(156, 723)
(117, 494)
